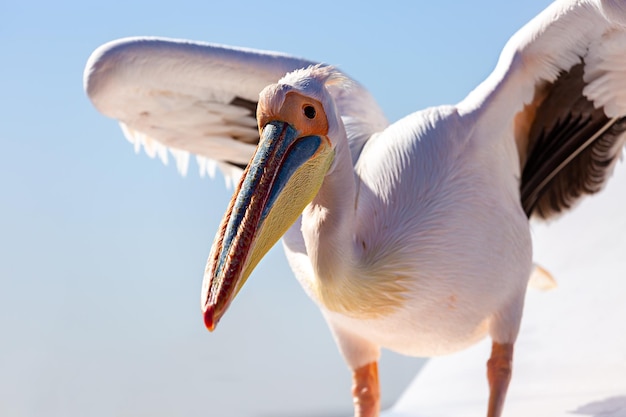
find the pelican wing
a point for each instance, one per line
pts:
(200, 98)
(560, 84)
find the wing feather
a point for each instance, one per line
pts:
(200, 98)
(572, 148)
(186, 97)
(558, 94)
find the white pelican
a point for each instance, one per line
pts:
(412, 236)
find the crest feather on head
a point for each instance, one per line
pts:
(326, 75)
(315, 81)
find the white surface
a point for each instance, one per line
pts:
(570, 357)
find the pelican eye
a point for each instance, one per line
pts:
(309, 111)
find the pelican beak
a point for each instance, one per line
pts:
(284, 176)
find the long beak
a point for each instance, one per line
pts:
(284, 176)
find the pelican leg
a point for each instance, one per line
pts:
(499, 374)
(366, 391)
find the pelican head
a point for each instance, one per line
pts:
(294, 155)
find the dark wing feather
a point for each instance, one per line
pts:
(572, 147)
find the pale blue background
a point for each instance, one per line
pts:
(102, 250)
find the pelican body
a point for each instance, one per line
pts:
(412, 236)
(403, 270)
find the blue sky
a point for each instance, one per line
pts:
(103, 250)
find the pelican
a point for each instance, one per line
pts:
(413, 236)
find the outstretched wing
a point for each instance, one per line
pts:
(190, 97)
(559, 89)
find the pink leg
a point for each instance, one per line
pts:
(366, 391)
(499, 375)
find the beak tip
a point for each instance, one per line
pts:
(209, 318)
